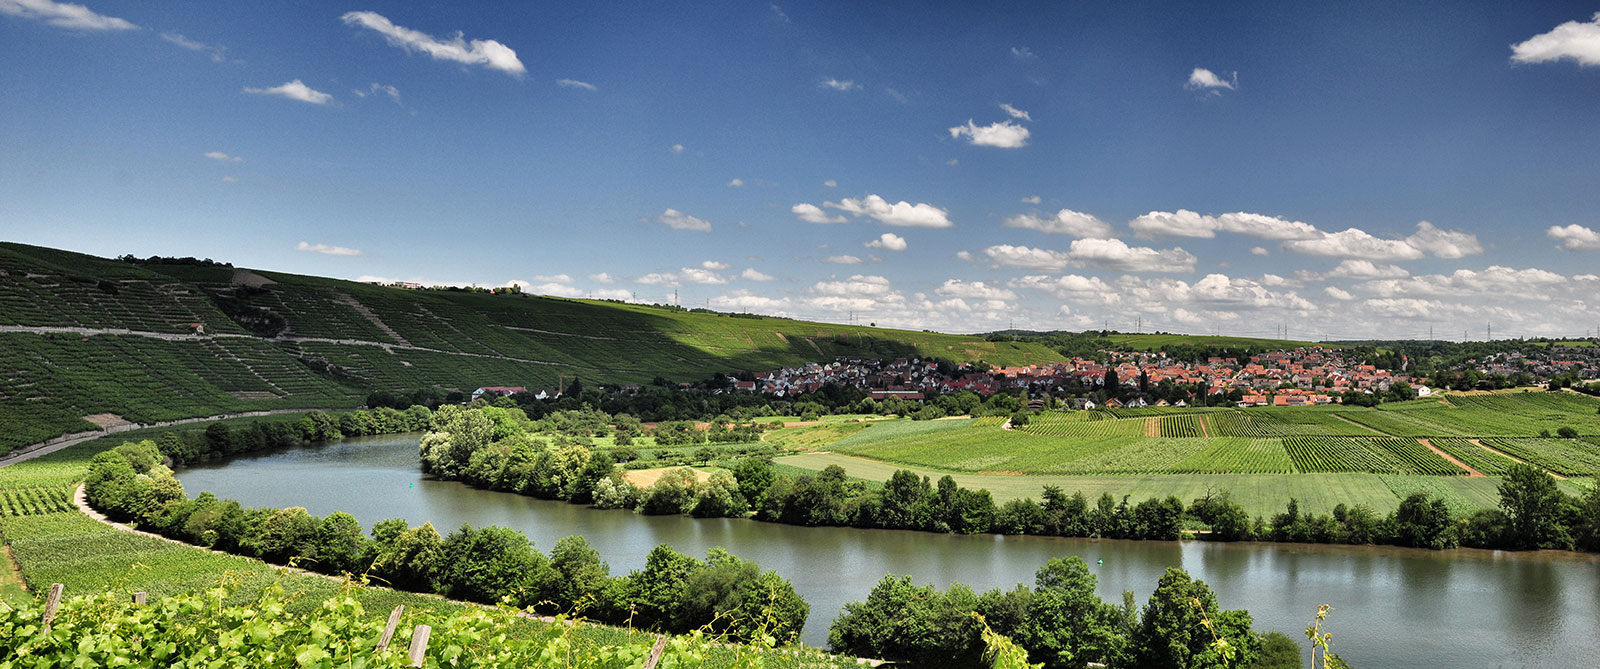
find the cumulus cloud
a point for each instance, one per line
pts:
(602, 277)
(698, 275)
(888, 241)
(1355, 243)
(553, 278)
(676, 148)
(1259, 251)
(1185, 223)
(975, 290)
(552, 289)
(735, 182)
(811, 213)
(294, 90)
(1006, 255)
(751, 274)
(1022, 53)
(905, 214)
(1069, 287)
(1206, 80)
(218, 155)
(574, 83)
(1031, 199)
(715, 265)
(830, 183)
(1066, 222)
(1444, 243)
(744, 300)
(1016, 113)
(1002, 134)
(840, 85)
(857, 285)
(678, 220)
(843, 260)
(488, 53)
(215, 52)
(1338, 294)
(63, 15)
(1114, 254)
(1574, 237)
(1366, 269)
(1495, 281)
(1575, 40)
(230, 179)
(328, 250)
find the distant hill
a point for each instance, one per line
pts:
(1150, 342)
(147, 341)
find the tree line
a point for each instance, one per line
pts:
(674, 592)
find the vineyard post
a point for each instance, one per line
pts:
(139, 598)
(388, 630)
(419, 644)
(50, 604)
(656, 652)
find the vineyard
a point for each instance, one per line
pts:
(1477, 457)
(1382, 455)
(34, 501)
(1084, 424)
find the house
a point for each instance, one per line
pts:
(1082, 404)
(497, 391)
(1113, 403)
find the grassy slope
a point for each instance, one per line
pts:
(447, 340)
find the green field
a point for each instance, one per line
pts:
(1320, 455)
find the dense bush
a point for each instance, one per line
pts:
(674, 592)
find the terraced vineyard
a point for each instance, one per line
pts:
(1376, 455)
(34, 501)
(1477, 457)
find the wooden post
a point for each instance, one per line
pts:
(419, 644)
(50, 604)
(388, 630)
(139, 598)
(655, 653)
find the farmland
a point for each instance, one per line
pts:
(1374, 455)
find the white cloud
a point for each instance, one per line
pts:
(678, 220)
(488, 53)
(1185, 223)
(1495, 281)
(1338, 294)
(230, 179)
(1573, 39)
(1031, 199)
(294, 90)
(1354, 243)
(1259, 251)
(551, 289)
(1016, 113)
(1204, 79)
(602, 278)
(839, 85)
(750, 274)
(676, 148)
(685, 275)
(328, 250)
(1366, 269)
(1574, 237)
(715, 265)
(215, 52)
(375, 88)
(905, 214)
(811, 213)
(1069, 287)
(888, 241)
(1114, 254)
(574, 83)
(735, 182)
(744, 300)
(857, 285)
(1025, 257)
(218, 155)
(63, 15)
(553, 278)
(1022, 53)
(1066, 222)
(1404, 307)
(975, 290)
(830, 183)
(1003, 134)
(964, 255)
(843, 260)
(1444, 243)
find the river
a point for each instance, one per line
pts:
(1393, 607)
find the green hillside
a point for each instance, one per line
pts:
(82, 335)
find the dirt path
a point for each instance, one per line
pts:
(1479, 443)
(13, 572)
(1152, 427)
(1471, 473)
(1365, 427)
(1205, 431)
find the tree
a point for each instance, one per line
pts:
(1067, 624)
(339, 543)
(1182, 626)
(657, 592)
(1278, 651)
(1113, 387)
(1532, 506)
(1423, 523)
(485, 565)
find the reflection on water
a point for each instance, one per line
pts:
(1394, 606)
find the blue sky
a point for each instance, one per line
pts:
(1351, 171)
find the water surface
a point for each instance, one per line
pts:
(1394, 607)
